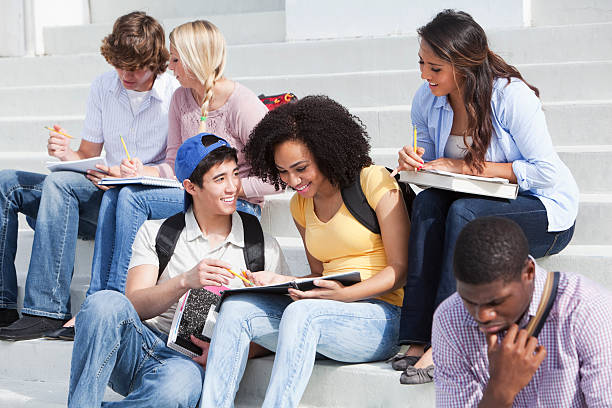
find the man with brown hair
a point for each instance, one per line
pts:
(131, 101)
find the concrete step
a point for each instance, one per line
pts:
(560, 12)
(358, 89)
(23, 382)
(518, 46)
(17, 393)
(569, 123)
(107, 11)
(247, 28)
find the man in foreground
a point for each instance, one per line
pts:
(121, 340)
(482, 352)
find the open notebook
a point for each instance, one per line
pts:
(463, 183)
(144, 180)
(80, 166)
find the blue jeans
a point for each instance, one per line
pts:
(353, 332)
(437, 218)
(122, 212)
(112, 346)
(64, 205)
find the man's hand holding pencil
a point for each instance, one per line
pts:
(58, 144)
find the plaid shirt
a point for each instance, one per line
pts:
(577, 335)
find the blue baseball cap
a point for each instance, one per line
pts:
(190, 154)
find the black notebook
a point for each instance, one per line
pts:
(303, 284)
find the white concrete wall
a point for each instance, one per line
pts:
(318, 19)
(12, 28)
(22, 22)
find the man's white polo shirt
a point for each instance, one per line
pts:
(192, 246)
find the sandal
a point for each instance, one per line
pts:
(414, 375)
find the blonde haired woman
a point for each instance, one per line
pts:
(206, 102)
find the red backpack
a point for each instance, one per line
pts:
(274, 101)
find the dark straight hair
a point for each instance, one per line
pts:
(455, 37)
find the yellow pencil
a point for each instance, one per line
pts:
(57, 131)
(244, 279)
(125, 148)
(415, 139)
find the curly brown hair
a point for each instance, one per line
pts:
(336, 139)
(138, 41)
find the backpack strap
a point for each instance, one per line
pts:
(166, 238)
(357, 203)
(253, 251)
(546, 303)
(254, 255)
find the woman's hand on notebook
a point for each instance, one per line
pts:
(457, 166)
(104, 171)
(408, 159)
(327, 289)
(131, 168)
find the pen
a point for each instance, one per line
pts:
(241, 277)
(125, 148)
(57, 131)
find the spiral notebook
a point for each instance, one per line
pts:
(144, 180)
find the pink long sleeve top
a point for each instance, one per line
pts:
(233, 122)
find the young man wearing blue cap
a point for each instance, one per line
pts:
(121, 340)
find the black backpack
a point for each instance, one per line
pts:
(171, 228)
(357, 204)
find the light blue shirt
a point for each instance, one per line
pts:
(520, 137)
(109, 114)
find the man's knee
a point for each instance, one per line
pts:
(106, 303)
(62, 181)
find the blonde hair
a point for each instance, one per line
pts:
(201, 48)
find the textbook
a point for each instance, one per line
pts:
(463, 183)
(144, 180)
(197, 310)
(80, 166)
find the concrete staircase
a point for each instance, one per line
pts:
(566, 55)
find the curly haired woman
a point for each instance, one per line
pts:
(316, 147)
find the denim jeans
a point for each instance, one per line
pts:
(437, 218)
(122, 212)
(112, 346)
(349, 332)
(65, 205)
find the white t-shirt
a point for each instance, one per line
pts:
(192, 246)
(136, 98)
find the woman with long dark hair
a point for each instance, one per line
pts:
(475, 115)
